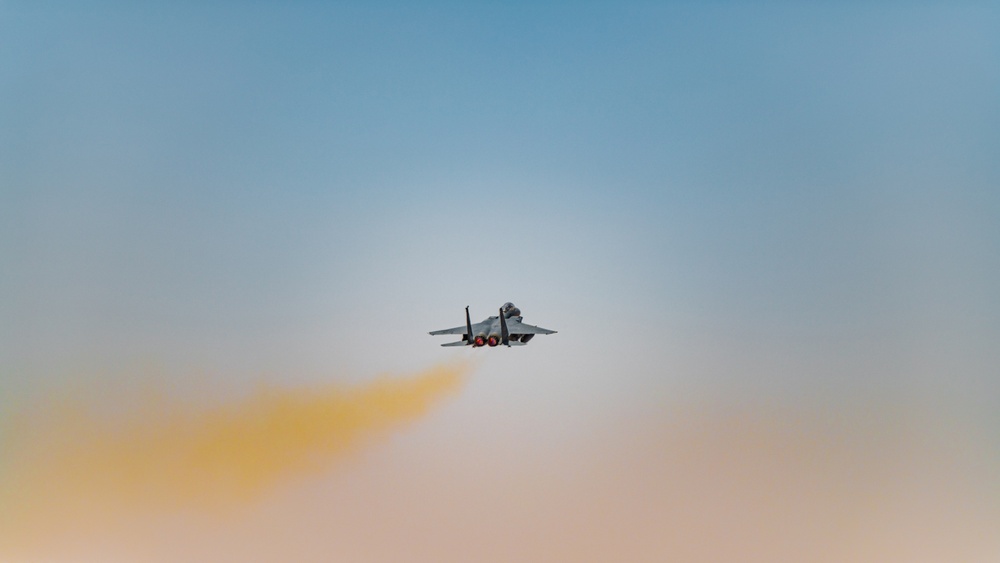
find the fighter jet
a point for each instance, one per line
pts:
(506, 329)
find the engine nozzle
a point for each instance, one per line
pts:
(493, 340)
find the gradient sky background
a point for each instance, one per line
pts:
(722, 208)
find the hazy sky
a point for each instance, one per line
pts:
(713, 203)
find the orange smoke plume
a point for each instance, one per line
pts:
(72, 465)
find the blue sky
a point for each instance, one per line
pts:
(183, 174)
(758, 202)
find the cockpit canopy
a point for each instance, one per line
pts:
(509, 310)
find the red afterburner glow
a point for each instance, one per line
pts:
(480, 341)
(493, 341)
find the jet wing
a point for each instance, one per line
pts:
(456, 330)
(517, 327)
(476, 328)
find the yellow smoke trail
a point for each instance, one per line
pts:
(74, 466)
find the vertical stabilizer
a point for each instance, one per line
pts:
(468, 326)
(504, 335)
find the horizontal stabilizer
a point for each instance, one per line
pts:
(459, 343)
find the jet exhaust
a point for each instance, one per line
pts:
(71, 467)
